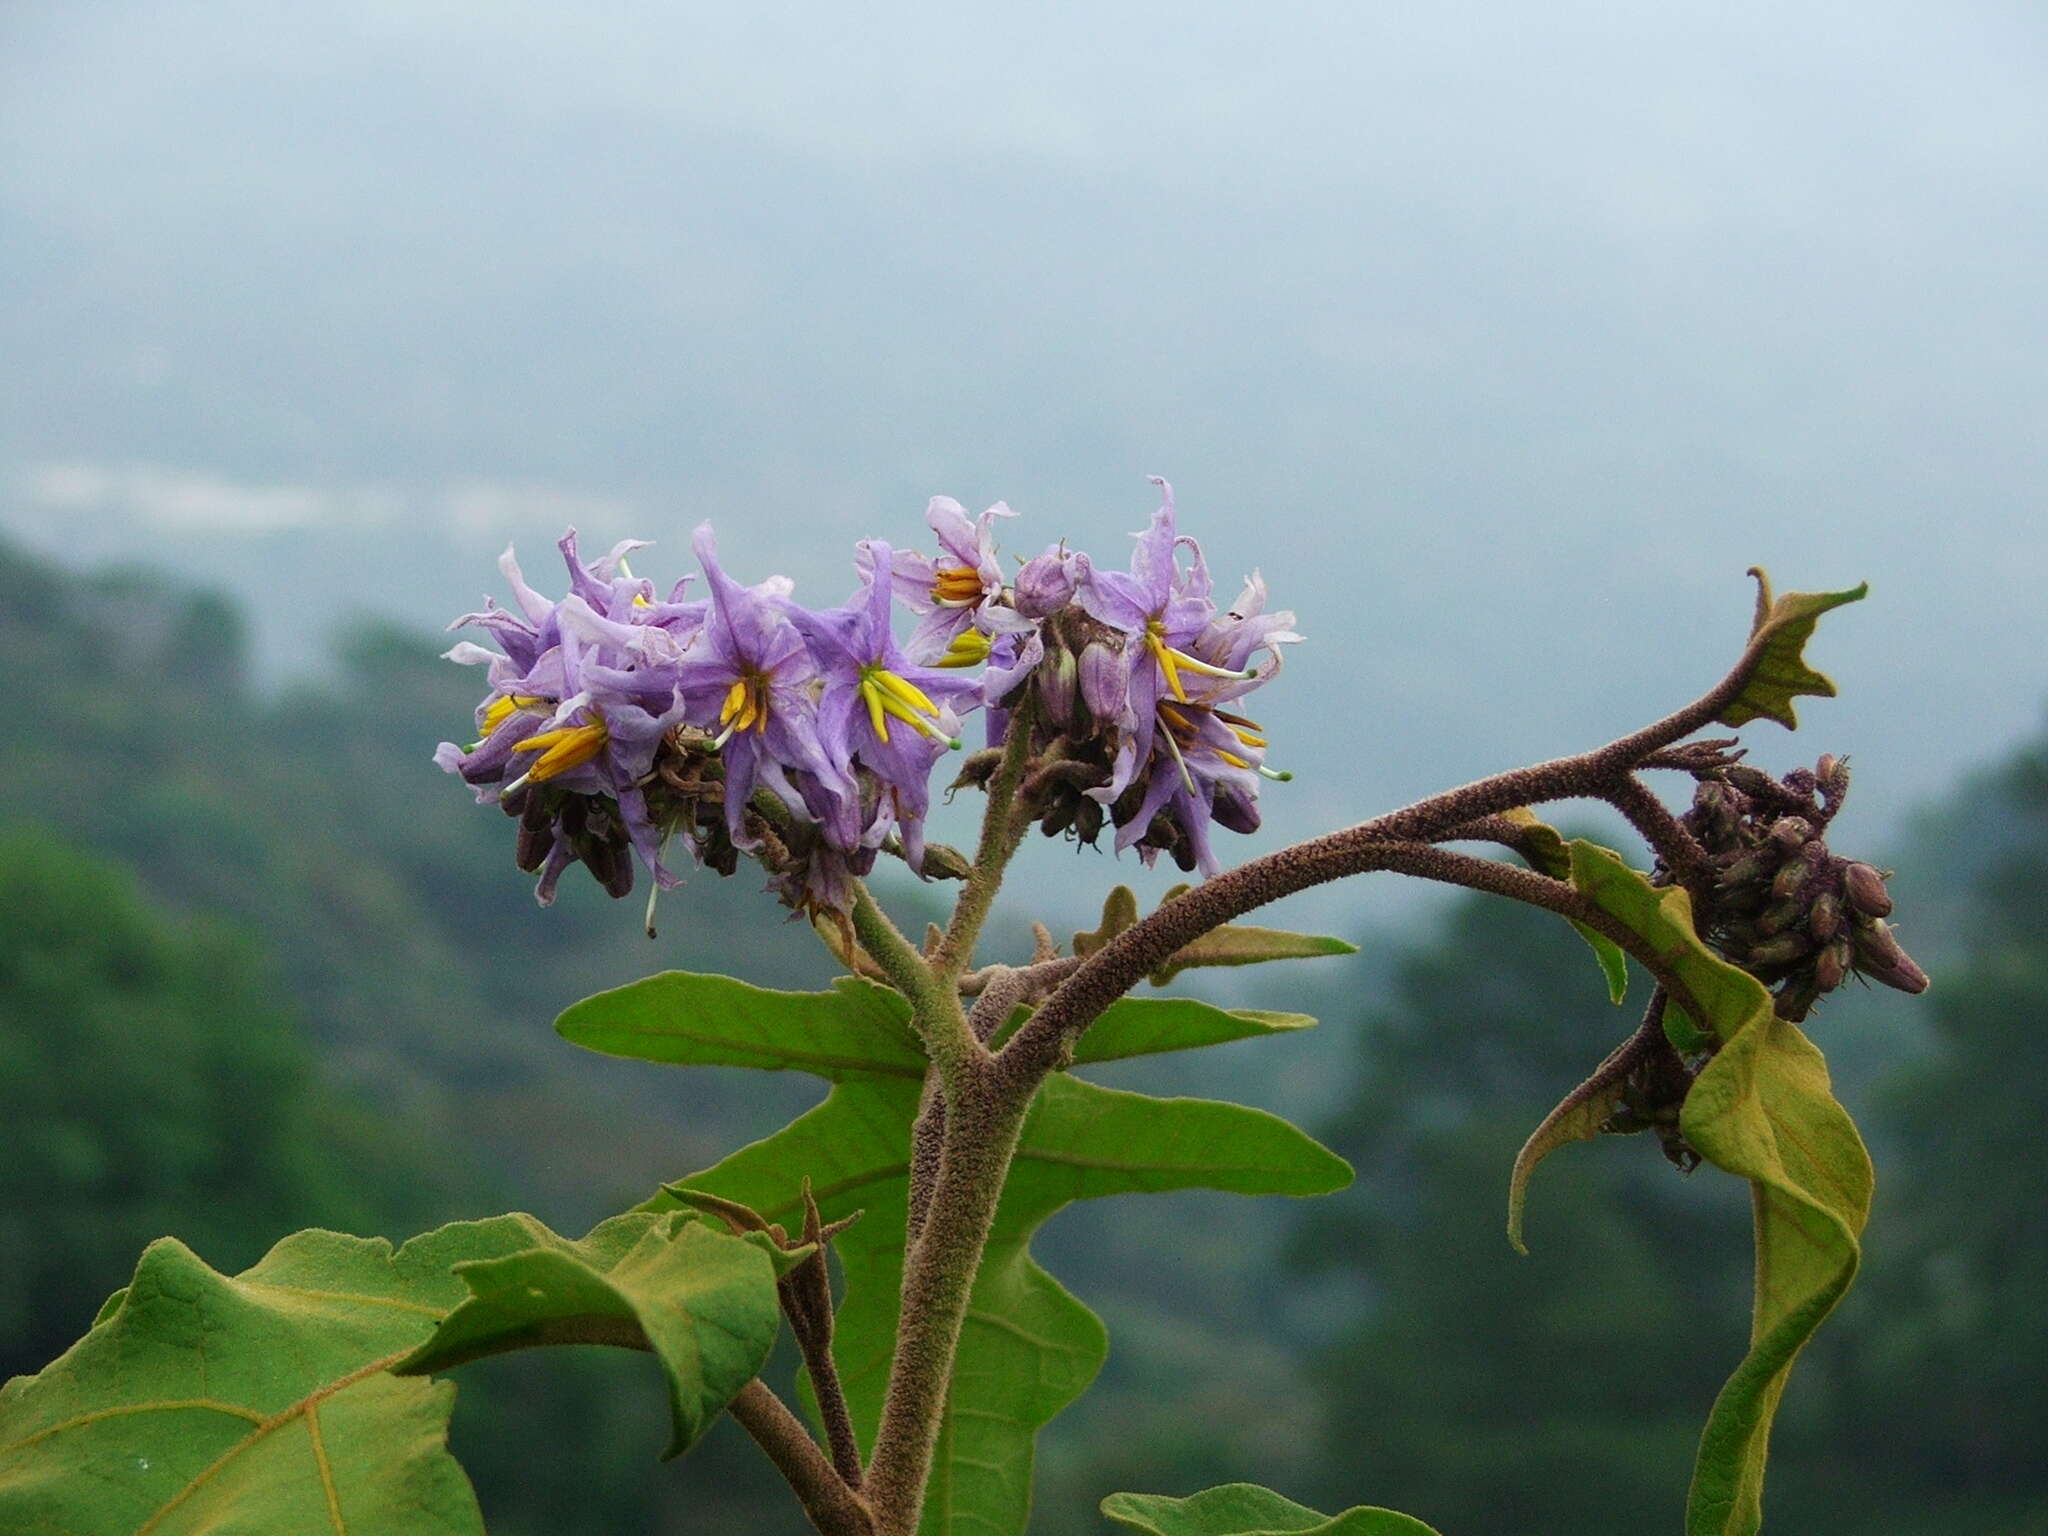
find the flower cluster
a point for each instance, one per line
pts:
(1785, 908)
(620, 723)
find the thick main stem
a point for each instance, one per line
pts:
(1000, 834)
(982, 1122)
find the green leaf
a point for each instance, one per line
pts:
(1577, 1118)
(1245, 1509)
(702, 1301)
(1119, 911)
(686, 1019)
(1028, 1348)
(1546, 851)
(1149, 1026)
(1762, 1109)
(257, 1402)
(1781, 673)
(1231, 944)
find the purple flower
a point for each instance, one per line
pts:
(580, 700)
(879, 711)
(1163, 611)
(749, 681)
(960, 594)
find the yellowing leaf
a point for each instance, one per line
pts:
(1781, 674)
(1245, 1509)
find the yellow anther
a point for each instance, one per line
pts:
(956, 586)
(563, 748)
(906, 691)
(1168, 664)
(876, 706)
(1232, 758)
(1248, 738)
(735, 699)
(970, 648)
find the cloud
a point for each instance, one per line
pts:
(178, 501)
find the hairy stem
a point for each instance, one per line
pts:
(1140, 949)
(1001, 832)
(934, 1006)
(1668, 839)
(981, 1128)
(834, 1508)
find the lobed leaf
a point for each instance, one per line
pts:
(1762, 1109)
(1245, 1509)
(686, 1019)
(1028, 1348)
(1781, 674)
(703, 1302)
(260, 1401)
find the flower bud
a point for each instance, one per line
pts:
(1831, 966)
(1864, 887)
(1824, 917)
(1750, 869)
(1105, 678)
(1879, 957)
(1790, 832)
(1046, 584)
(1058, 676)
(1792, 876)
(1780, 915)
(1782, 950)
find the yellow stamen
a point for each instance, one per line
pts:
(1248, 738)
(970, 648)
(1167, 664)
(906, 691)
(956, 586)
(1232, 758)
(563, 748)
(876, 718)
(499, 710)
(735, 697)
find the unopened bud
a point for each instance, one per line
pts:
(1780, 915)
(1833, 773)
(1790, 832)
(1782, 950)
(1824, 917)
(1046, 584)
(1879, 957)
(1105, 678)
(1750, 869)
(942, 862)
(1792, 877)
(1058, 677)
(1831, 965)
(1864, 887)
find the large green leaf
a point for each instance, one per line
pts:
(702, 1301)
(715, 1021)
(1761, 1109)
(260, 1402)
(1245, 1509)
(1028, 1347)
(272, 1400)
(1546, 851)
(1785, 624)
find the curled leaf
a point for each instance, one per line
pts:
(1781, 674)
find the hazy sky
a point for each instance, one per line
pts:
(1503, 337)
